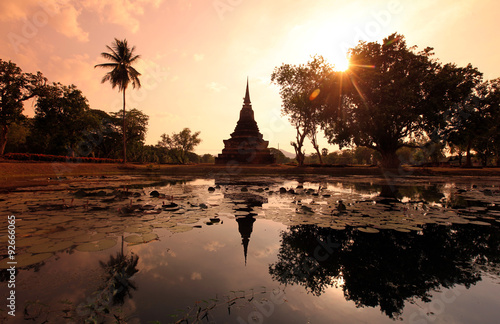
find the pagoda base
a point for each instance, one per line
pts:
(252, 158)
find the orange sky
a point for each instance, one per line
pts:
(196, 55)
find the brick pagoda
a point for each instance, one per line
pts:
(246, 145)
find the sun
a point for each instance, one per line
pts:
(340, 64)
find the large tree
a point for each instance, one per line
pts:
(107, 136)
(391, 94)
(459, 90)
(122, 73)
(485, 122)
(15, 88)
(136, 129)
(299, 88)
(62, 119)
(179, 145)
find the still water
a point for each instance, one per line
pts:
(254, 250)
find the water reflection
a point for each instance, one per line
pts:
(385, 248)
(119, 270)
(117, 286)
(245, 227)
(390, 268)
(244, 204)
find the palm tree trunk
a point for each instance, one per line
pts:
(124, 129)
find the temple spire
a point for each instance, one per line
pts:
(246, 100)
(245, 242)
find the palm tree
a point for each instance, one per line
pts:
(121, 74)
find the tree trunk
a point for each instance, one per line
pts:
(390, 160)
(468, 160)
(298, 146)
(316, 146)
(3, 138)
(124, 130)
(485, 159)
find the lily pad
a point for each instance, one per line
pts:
(402, 230)
(51, 246)
(180, 229)
(368, 230)
(31, 241)
(89, 237)
(133, 239)
(26, 259)
(138, 229)
(149, 237)
(65, 234)
(97, 246)
(480, 223)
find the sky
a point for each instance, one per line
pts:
(196, 55)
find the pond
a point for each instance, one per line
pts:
(315, 249)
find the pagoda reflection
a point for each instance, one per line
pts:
(244, 208)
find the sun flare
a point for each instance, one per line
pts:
(340, 64)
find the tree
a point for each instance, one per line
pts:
(15, 88)
(363, 155)
(122, 74)
(390, 95)
(407, 268)
(180, 144)
(493, 114)
(19, 133)
(136, 129)
(279, 156)
(207, 158)
(299, 90)
(62, 118)
(463, 121)
(481, 126)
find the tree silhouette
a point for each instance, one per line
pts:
(180, 144)
(392, 94)
(15, 88)
(62, 118)
(299, 90)
(389, 268)
(122, 74)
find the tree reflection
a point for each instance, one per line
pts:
(119, 269)
(389, 268)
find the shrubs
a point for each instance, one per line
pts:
(57, 158)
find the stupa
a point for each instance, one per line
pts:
(246, 145)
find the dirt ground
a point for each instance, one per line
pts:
(20, 174)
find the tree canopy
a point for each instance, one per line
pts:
(179, 145)
(392, 94)
(298, 89)
(62, 118)
(15, 88)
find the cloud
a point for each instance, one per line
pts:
(213, 246)
(123, 13)
(66, 23)
(196, 276)
(217, 87)
(198, 57)
(34, 15)
(63, 15)
(14, 10)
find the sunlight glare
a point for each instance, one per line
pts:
(340, 64)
